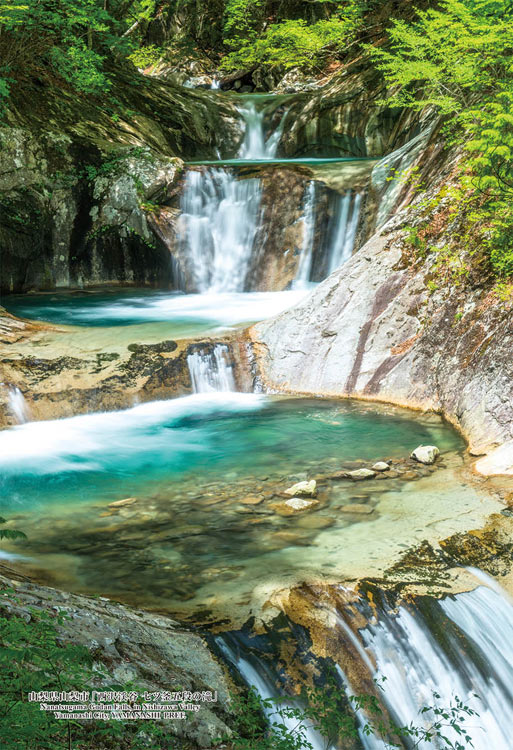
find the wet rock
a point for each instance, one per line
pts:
(252, 500)
(293, 505)
(302, 489)
(122, 503)
(425, 454)
(291, 538)
(358, 508)
(151, 650)
(381, 466)
(360, 474)
(410, 475)
(298, 503)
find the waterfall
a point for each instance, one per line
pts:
(217, 227)
(305, 258)
(254, 145)
(17, 405)
(471, 655)
(347, 212)
(210, 370)
(256, 675)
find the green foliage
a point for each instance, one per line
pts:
(146, 57)
(457, 58)
(58, 41)
(289, 720)
(290, 43)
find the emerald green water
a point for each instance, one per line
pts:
(106, 456)
(188, 541)
(183, 314)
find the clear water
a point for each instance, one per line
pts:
(108, 455)
(186, 541)
(188, 313)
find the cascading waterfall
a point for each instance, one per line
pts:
(218, 225)
(464, 651)
(341, 243)
(210, 370)
(255, 674)
(220, 213)
(305, 258)
(255, 146)
(475, 658)
(17, 405)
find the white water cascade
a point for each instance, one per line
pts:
(474, 660)
(220, 213)
(347, 213)
(255, 675)
(210, 371)
(306, 256)
(255, 146)
(17, 405)
(217, 229)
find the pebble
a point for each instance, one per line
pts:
(381, 466)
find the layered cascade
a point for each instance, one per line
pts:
(222, 227)
(431, 655)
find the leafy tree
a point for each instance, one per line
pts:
(67, 42)
(457, 58)
(290, 42)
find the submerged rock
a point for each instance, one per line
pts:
(122, 503)
(425, 454)
(303, 489)
(298, 503)
(294, 505)
(252, 500)
(358, 508)
(360, 474)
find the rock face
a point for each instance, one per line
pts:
(343, 118)
(378, 328)
(72, 376)
(150, 651)
(78, 189)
